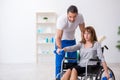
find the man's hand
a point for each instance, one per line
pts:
(58, 50)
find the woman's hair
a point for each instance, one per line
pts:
(91, 30)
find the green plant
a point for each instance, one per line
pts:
(45, 18)
(118, 45)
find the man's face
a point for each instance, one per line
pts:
(71, 16)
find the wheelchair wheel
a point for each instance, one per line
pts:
(101, 74)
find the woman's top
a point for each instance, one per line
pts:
(87, 53)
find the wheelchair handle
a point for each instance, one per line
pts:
(105, 46)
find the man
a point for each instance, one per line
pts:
(65, 36)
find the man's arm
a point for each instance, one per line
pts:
(58, 38)
(82, 27)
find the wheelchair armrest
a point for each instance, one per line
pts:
(65, 60)
(66, 64)
(70, 58)
(98, 60)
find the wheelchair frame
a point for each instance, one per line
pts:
(98, 75)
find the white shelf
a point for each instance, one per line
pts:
(45, 23)
(46, 29)
(45, 44)
(51, 17)
(41, 54)
(46, 13)
(45, 34)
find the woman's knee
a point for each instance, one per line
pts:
(74, 70)
(73, 74)
(69, 70)
(66, 74)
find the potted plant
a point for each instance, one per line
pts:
(118, 45)
(45, 18)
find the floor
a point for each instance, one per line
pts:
(44, 70)
(26, 72)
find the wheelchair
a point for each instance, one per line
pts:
(92, 72)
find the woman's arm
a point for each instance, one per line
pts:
(105, 69)
(101, 57)
(70, 48)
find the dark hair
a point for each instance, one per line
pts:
(91, 30)
(72, 9)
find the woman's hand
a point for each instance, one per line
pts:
(107, 75)
(106, 70)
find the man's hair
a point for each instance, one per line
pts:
(72, 9)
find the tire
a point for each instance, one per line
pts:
(101, 74)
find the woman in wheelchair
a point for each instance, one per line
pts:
(89, 48)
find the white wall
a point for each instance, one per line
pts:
(17, 31)
(17, 25)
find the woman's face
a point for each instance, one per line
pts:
(87, 36)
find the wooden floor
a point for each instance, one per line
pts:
(37, 71)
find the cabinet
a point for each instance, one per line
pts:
(45, 28)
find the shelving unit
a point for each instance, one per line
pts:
(45, 27)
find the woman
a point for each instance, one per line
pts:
(89, 48)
